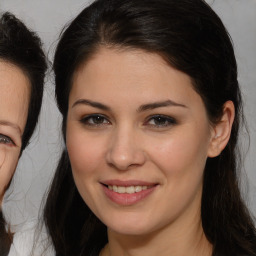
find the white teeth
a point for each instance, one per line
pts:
(121, 190)
(138, 189)
(128, 190)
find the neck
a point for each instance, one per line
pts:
(174, 240)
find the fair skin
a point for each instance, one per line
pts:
(138, 137)
(14, 100)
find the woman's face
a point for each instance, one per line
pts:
(14, 98)
(138, 138)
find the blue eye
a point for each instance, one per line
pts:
(5, 139)
(160, 121)
(95, 120)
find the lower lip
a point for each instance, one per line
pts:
(125, 198)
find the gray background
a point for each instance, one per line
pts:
(24, 198)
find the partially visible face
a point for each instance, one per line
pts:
(138, 138)
(14, 98)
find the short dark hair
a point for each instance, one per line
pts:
(22, 48)
(191, 38)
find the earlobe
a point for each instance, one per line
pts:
(222, 130)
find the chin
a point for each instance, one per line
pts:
(131, 228)
(130, 231)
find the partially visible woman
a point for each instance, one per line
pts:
(22, 70)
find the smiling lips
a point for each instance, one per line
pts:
(127, 193)
(128, 190)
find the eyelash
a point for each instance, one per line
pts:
(163, 121)
(5, 140)
(87, 120)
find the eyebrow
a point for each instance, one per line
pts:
(7, 123)
(91, 103)
(142, 108)
(160, 104)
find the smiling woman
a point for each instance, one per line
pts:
(134, 150)
(151, 111)
(22, 69)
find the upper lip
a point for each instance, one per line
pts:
(127, 183)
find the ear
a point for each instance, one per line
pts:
(222, 130)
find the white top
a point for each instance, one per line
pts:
(31, 240)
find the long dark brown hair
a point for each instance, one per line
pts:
(22, 47)
(190, 37)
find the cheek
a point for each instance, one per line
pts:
(85, 152)
(87, 159)
(181, 154)
(181, 160)
(8, 163)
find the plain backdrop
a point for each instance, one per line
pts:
(36, 167)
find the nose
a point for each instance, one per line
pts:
(125, 150)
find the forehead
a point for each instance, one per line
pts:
(134, 73)
(14, 95)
